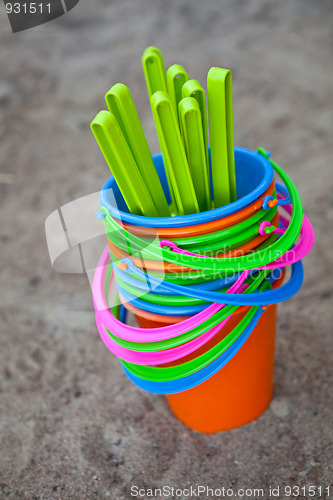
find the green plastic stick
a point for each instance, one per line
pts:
(176, 77)
(154, 70)
(192, 88)
(122, 164)
(155, 75)
(173, 153)
(120, 103)
(191, 127)
(219, 88)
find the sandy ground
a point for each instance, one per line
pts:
(72, 426)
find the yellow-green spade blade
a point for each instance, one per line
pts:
(154, 70)
(219, 89)
(192, 88)
(176, 77)
(172, 148)
(191, 128)
(122, 164)
(155, 75)
(120, 103)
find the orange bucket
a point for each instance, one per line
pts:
(240, 391)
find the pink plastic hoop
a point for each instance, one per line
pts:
(159, 357)
(135, 334)
(293, 255)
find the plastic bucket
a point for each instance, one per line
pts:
(203, 228)
(231, 397)
(242, 389)
(254, 175)
(238, 393)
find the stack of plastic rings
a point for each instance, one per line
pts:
(201, 287)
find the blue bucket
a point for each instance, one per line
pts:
(254, 174)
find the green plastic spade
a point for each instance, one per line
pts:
(118, 156)
(176, 77)
(219, 89)
(192, 88)
(191, 128)
(120, 103)
(154, 70)
(173, 152)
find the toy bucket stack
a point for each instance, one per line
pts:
(198, 242)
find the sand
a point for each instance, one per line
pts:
(72, 426)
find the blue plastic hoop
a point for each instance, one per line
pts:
(281, 294)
